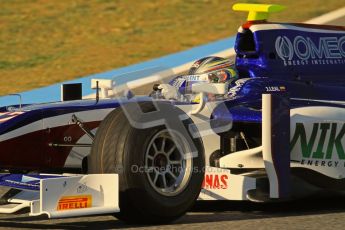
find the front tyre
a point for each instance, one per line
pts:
(157, 182)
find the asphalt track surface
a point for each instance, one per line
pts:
(312, 213)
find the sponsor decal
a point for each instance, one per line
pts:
(302, 50)
(238, 86)
(275, 88)
(192, 78)
(215, 181)
(178, 82)
(74, 202)
(284, 48)
(8, 115)
(324, 147)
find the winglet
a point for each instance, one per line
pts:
(258, 11)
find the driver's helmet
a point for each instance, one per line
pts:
(209, 69)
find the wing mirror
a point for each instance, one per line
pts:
(214, 88)
(203, 89)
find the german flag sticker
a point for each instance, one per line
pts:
(74, 202)
(282, 88)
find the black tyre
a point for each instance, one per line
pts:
(157, 183)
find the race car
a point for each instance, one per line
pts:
(267, 127)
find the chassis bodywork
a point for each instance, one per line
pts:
(284, 144)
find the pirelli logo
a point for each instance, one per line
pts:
(74, 202)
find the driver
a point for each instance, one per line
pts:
(208, 69)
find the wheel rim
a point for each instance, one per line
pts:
(168, 170)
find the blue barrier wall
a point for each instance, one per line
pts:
(52, 92)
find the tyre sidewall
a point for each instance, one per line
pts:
(140, 187)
